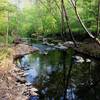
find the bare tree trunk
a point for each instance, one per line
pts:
(62, 21)
(83, 25)
(67, 21)
(7, 28)
(98, 18)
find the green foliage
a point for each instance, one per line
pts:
(6, 9)
(44, 17)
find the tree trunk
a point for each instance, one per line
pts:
(67, 21)
(62, 21)
(7, 28)
(83, 25)
(98, 18)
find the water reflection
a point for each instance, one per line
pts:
(38, 65)
(49, 73)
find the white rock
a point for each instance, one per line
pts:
(33, 89)
(63, 47)
(51, 44)
(79, 59)
(28, 84)
(34, 94)
(68, 43)
(88, 60)
(25, 74)
(59, 44)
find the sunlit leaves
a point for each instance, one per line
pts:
(45, 16)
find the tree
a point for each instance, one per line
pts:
(5, 10)
(73, 2)
(64, 13)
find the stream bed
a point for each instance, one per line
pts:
(48, 70)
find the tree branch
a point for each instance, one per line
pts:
(67, 21)
(83, 25)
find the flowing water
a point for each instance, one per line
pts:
(49, 69)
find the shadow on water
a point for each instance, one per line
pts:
(62, 75)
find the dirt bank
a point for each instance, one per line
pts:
(12, 80)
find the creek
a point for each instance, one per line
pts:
(49, 69)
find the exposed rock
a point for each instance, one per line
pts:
(25, 74)
(33, 90)
(11, 77)
(78, 59)
(28, 84)
(45, 41)
(69, 43)
(88, 60)
(33, 94)
(22, 49)
(22, 98)
(61, 46)
(51, 44)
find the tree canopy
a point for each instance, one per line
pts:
(44, 17)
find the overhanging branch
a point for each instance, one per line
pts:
(73, 3)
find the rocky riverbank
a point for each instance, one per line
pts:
(22, 49)
(13, 85)
(91, 49)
